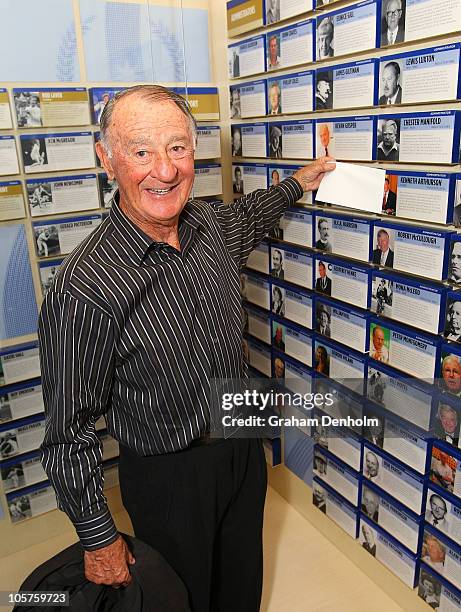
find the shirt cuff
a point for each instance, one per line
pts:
(291, 189)
(96, 531)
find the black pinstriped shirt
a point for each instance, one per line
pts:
(134, 330)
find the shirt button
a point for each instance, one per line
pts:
(215, 340)
(201, 296)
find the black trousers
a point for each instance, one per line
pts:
(202, 509)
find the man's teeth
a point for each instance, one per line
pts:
(160, 191)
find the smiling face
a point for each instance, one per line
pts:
(378, 339)
(451, 373)
(393, 14)
(435, 550)
(449, 419)
(383, 241)
(274, 97)
(438, 507)
(152, 159)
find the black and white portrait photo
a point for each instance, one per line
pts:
(323, 319)
(370, 504)
(277, 269)
(34, 152)
(382, 296)
(235, 108)
(452, 329)
(319, 497)
(388, 140)
(390, 86)
(28, 109)
(47, 240)
(393, 22)
(275, 142)
(236, 133)
(40, 197)
(325, 36)
(272, 11)
(324, 90)
(437, 509)
(237, 181)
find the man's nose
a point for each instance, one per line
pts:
(162, 167)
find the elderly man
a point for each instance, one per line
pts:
(324, 139)
(325, 34)
(143, 315)
(390, 82)
(372, 467)
(389, 148)
(451, 374)
(383, 255)
(379, 351)
(370, 504)
(393, 23)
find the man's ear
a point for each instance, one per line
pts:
(105, 160)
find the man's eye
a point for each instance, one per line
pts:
(142, 154)
(177, 149)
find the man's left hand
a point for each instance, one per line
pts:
(311, 175)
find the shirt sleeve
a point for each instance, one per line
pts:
(76, 356)
(246, 221)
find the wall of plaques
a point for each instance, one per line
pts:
(367, 305)
(53, 193)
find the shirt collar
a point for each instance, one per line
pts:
(134, 242)
(394, 146)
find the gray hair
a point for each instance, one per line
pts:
(151, 93)
(326, 26)
(390, 123)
